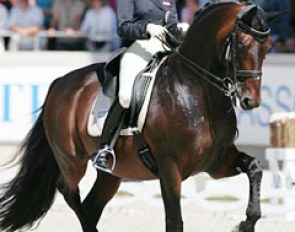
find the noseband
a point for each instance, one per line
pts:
(227, 85)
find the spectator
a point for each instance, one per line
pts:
(292, 17)
(290, 45)
(87, 4)
(5, 3)
(203, 2)
(3, 20)
(278, 46)
(179, 6)
(100, 26)
(46, 6)
(12, 3)
(66, 17)
(112, 3)
(280, 28)
(26, 21)
(3, 16)
(188, 11)
(260, 3)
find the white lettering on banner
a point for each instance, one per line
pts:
(23, 90)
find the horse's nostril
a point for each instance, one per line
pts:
(248, 102)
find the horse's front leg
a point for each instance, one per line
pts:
(170, 181)
(253, 169)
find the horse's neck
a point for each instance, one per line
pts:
(215, 105)
(181, 82)
(202, 51)
(205, 57)
(187, 100)
(207, 32)
(198, 53)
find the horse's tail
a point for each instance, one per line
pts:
(28, 196)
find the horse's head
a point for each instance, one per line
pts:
(233, 39)
(251, 43)
(244, 53)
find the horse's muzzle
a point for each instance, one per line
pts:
(249, 102)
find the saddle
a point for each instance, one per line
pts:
(108, 74)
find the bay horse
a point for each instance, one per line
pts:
(191, 125)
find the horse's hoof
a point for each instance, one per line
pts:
(236, 228)
(242, 227)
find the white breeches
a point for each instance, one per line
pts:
(134, 60)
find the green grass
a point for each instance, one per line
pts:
(124, 194)
(225, 198)
(280, 201)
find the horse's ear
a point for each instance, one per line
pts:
(248, 15)
(273, 16)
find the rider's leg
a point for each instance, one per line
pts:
(133, 61)
(111, 126)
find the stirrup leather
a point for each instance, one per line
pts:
(109, 152)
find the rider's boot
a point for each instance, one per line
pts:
(110, 133)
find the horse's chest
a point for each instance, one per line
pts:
(208, 143)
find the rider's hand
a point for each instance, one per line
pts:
(183, 26)
(156, 31)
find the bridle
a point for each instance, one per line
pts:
(229, 84)
(233, 75)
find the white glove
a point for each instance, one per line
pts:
(156, 30)
(183, 26)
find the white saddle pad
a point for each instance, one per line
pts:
(102, 104)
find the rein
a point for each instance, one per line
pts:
(228, 85)
(197, 69)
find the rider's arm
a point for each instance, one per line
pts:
(172, 19)
(128, 28)
(173, 26)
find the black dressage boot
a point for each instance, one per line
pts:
(109, 138)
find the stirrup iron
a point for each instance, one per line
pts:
(109, 152)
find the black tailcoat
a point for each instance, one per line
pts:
(134, 15)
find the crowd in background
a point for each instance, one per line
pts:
(91, 24)
(59, 25)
